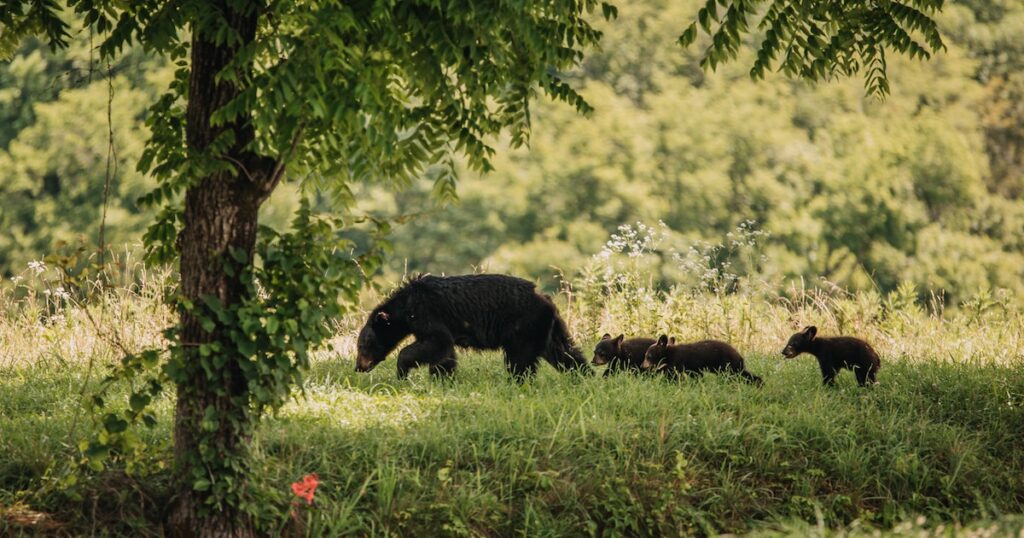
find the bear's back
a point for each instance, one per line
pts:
(705, 354)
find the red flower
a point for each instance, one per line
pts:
(305, 488)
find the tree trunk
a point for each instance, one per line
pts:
(217, 217)
(220, 215)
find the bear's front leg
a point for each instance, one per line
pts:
(828, 372)
(411, 356)
(430, 349)
(444, 368)
(614, 366)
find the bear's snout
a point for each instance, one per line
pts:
(364, 363)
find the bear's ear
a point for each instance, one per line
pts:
(663, 340)
(672, 341)
(606, 336)
(618, 339)
(382, 317)
(810, 331)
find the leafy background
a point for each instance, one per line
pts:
(924, 187)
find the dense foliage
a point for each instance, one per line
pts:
(923, 186)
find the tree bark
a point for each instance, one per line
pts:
(220, 215)
(217, 217)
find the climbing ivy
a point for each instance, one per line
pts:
(299, 282)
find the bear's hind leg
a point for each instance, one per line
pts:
(521, 362)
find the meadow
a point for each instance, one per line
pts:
(935, 449)
(760, 207)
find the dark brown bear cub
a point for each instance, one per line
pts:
(621, 354)
(835, 353)
(696, 358)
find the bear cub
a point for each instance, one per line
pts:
(835, 353)
(696, 358)
(620, 353)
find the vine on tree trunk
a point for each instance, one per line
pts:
(296, 283)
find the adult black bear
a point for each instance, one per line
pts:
(696, 358)
(621, 354)
(474, 311)
(835, 353)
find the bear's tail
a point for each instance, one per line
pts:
(561, 351)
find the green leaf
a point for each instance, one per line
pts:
(114, 424)
(239, 255)
(688, 36)
(609, 11)
(138, 401)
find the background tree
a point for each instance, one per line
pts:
(54, 169)
(703, 152)
(351, 93)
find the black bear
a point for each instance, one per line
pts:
(696, 358)
(473, 311)
(835, 353)
(621, 354)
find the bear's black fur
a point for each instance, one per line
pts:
(473, 311)
(696, 358)
(621, 354)
(835, 353)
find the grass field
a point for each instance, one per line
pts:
(937, 448)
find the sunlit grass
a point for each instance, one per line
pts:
(479, 455)
(633, 455)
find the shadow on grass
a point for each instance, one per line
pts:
(647, 456)
(481, 455)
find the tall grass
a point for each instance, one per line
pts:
(721, 296)
(47, 320)
(934, 449)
